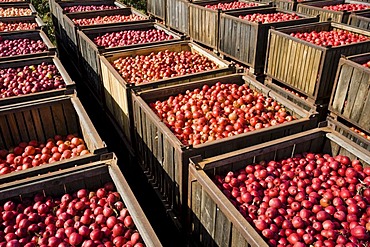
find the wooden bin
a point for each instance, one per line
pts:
(33, 35)
(165, 159)
(44, 118)
(315, 8)
(215, 221)
(360, 20)
(177, 15)
(59, 8)
(20, 5)
(306, 67)
(350, 97)
(157, 8)
(23, 19)
(246, 41)
(69, 88)
(90, 51)
(117, 92)
(69, 33)
(88, 176)
(204, 22)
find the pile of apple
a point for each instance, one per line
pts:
(161, 65)
(84, 8)
(29, 79)
(17, 26)
(215, 112)
(106, 19)
(347, 7)
(130, 37)
(13, 12)
(13, 47)
(269, 18)
(363, 134)
(331, 38)
(34, 153)
(307, 200)
(10, 1)
(367, 64)
(85, 218)
(232, 5)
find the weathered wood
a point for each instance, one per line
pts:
(351, 91)
(177, 15)
(316, 8)
(204, 22)
(90, 51)
(42, 119)
(246, 41)
(70, 85)
(89, 176)
(157, 8)
(118, 91)
(33, 35)
(175, 155)
(202, 172)
(314, 78)
(361, 20)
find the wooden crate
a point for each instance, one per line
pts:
(315, 8)
(117, 92)
(360, 20)
(290, 4)
(157, 8)
(204, 22)
(70, 85)
(350, 97)
(88, 176)
(90, 51)
(215, 221)
(177, 15)
(246, 41)
(20, 5)
(165, 159)
(24, 19)
(59, 7)
(69, 34)
(306, 67)
(33, 35)
(44, 118)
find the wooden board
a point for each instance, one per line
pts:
(204, 197)
(42, 119)
(90, 51)
(177, 15)
(314, 76)
(157, 8)
(70, 85)
(88, 176)
(246, 41)
(117, 92)
(360, 20)
(351, 97)
(172, 156)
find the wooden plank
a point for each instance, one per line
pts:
(30, 125)
(196, 201)
(13, 128)
(342, 88)
(207, 218)
(364, 120)
(23, 131)
(237, 240)
(352, 92)
(59, 120)
(363, 92)
(222, 229)
(71, 117)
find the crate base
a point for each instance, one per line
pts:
(305, 103)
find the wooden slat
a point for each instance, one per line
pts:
(222, 229)
(207, 218)
(363, 92)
